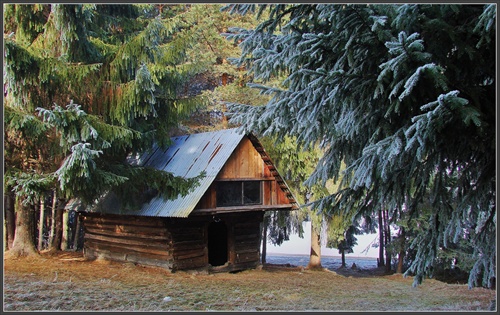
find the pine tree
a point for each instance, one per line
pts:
(404, 95)
(86, 86)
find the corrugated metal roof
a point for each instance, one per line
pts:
(188, 156)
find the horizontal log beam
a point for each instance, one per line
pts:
(189, 254)
(241, 209)
(114, 233)
(126, 220)
(153, 252)
(110, 255)
(190, 263)
(126, 241)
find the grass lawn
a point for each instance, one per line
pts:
(67, 282)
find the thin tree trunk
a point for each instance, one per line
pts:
(65, 231)
(76, 238)
(53, 219)
(23, 244)
(264, 240)
(41, 223)
(380, 261)
(402, 251)
(388, 256)
(315, 257)
(58, 226)
(10, 219)
(35, 214)
(342, 253)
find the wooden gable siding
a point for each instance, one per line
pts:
(246, 163)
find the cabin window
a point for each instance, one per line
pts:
(238, 193)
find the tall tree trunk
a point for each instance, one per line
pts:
(23, 244)
(315, 257)
(53, 219)
(381, 229)
(402, 251)
(264, 240)
(65, 231)
(41, 223)
(76, 238)
(388, 256)
(10, 219)
(342, 253)
(58, 226)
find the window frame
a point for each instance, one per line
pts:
(242, 198)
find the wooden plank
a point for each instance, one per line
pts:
(180, 250)
(239, 179)
(99, 245)
(108, 232)
(190, 263)
(186, 231)
(125, 220)
(110, 255)
(125, 241)
(247, 226)
(222, 210)
(150, 261)
(242, 248)
(182, 229)
(244, 162)
(252, 224)
(246, 231)
(246, 237)
(188, 246)
(180, 238)
(247, 257)
(158, 230)
(188, 254)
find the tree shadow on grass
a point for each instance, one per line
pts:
(356, 272)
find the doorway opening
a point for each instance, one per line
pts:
(217, 243)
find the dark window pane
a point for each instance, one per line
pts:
(237, 193)
(229, 194)
(251, 193)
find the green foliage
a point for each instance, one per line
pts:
(25, 22)
(404, 95)
(122, 72)
(28, 126)
(31, 186)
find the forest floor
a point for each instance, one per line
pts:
(66, 281)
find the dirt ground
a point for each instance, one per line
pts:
(67, 282)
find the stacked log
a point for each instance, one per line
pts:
(139, 240)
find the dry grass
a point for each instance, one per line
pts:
(68, 282)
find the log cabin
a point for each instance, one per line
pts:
(215, 227)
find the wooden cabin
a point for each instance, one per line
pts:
(216, 227)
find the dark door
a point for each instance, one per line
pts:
(217, 243)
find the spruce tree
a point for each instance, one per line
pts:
(404, 95)
(85, 87)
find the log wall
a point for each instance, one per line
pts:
(135, 239)
(175, 244)
(246, 243)
(189, 245)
